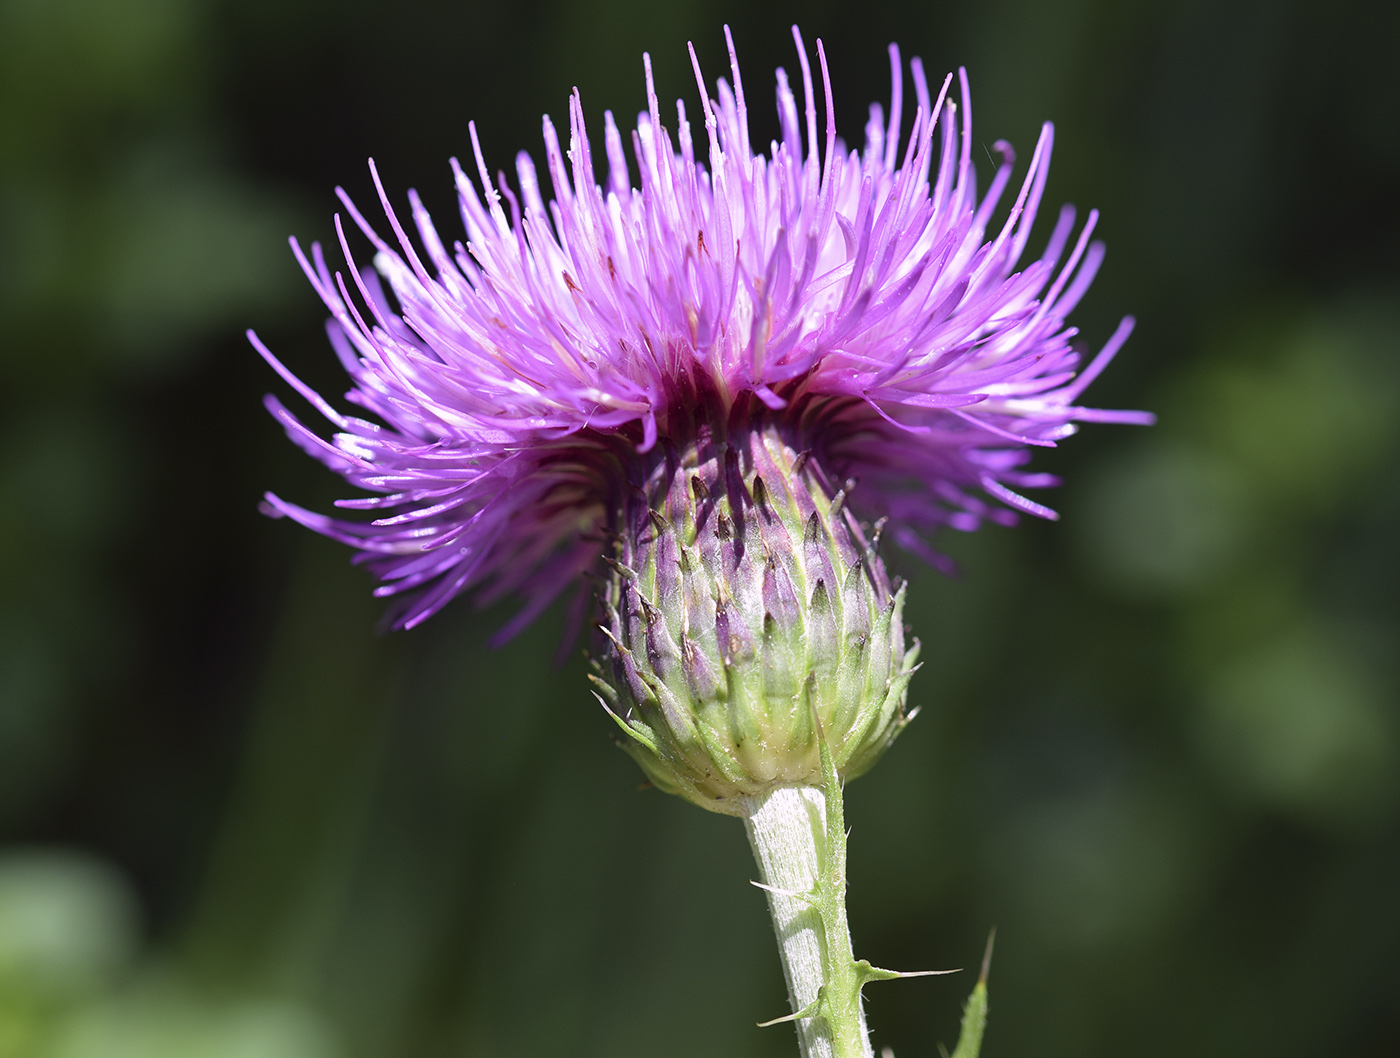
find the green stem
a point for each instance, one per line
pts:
(798, 836)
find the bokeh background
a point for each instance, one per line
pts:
(1160, 746)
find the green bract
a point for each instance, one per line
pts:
(743, 603)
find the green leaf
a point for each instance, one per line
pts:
(974, 1021)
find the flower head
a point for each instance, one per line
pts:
(862, 306)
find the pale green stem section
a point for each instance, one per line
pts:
(805, 861)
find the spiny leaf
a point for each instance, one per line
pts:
(810, 1010)
(974, 1022)
(870, 973)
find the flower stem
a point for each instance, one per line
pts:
(798, 835)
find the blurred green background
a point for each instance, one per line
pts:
(1160, 748)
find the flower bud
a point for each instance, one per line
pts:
(743, 604)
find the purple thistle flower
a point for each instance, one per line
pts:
(857, 301)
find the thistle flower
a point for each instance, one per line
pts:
(696, 378)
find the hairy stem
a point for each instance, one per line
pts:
(799, 840)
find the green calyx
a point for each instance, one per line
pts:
(743, 605)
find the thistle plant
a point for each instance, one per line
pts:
(709, 386)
